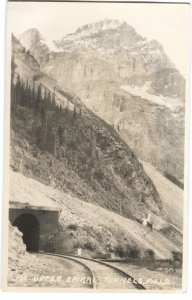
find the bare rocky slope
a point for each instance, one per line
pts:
(128, 81)
(17, 251)
(172, 197)
(96, 230)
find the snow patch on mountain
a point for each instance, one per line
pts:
(171, 103)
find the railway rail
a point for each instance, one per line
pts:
(102, 274)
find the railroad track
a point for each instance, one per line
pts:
(86, 278)
(102, 275)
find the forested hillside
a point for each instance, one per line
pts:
(75, 151)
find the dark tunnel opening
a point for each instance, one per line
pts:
(29, 226)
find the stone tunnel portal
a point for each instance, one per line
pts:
(37, 223)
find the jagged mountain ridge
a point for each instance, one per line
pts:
(116, 174)
(138, 59)
(118, 41)
(122, 77)
(107, 34)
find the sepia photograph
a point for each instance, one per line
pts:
(96, 137)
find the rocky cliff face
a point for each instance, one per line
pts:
(134, 59)
(129, 82)
(23, 58)
(18, 257)
(34, 42)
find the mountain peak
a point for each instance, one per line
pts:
(33, 41)
(101, 25)
(105, 34)
(33, 33)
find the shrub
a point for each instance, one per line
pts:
(149, 253)
(119, 250)
(72, 227)
(102, 256)
(133, 252)
(88, 246)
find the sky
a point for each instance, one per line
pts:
(167, 23)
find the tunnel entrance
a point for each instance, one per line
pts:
(29, 226)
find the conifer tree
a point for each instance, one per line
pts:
(48, 101)
(33, 100)
(18, 90)
(53, 142)
(53, 99)
(74, 112)
(45, 96)
(13, 88)
(38, 98)
(28, 96)
(13, 67)
(60, 134)
(60, 108)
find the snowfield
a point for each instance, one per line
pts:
(171, 103)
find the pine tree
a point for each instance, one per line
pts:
(74, 112)
(53, 142)
(45, 96)
(28, 96)
(60, 134)
(93, 145)
(48, 100)
(60, 109)
(23, 93)
(38, 98)
(44, 121)
(53, 99)
(18, 90)
(66, 111)
(74, 115)
(13, 67)
(13, 88)
(33, 96)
